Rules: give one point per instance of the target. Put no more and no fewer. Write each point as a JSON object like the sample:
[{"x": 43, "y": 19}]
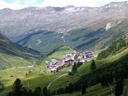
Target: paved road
[
  {"x": 54, "y": 80},
  {"x": 28, "y": 85}
]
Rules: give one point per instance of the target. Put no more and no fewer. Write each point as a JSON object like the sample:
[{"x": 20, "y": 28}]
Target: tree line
[
  {"x": 1, "y": 86},
  {"x": 19, "y": 90},
  {"x": 75, "y": 67},
  {"x": 113, "y": 48},
  {"x": 114, "y": 72}
]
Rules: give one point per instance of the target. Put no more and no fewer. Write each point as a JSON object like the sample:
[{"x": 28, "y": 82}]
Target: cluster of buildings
[
  {"x": 53, "y": 64},
  {"x": 86, "y": 55},
  {"x": 70, "y": 58}
]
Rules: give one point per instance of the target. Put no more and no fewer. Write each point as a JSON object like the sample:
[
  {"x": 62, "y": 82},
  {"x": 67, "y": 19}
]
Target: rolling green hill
[
  {"x": 12, "y": 54},
  {"x": 84, "y": 73},
  {"x": 57, "y": 53}
]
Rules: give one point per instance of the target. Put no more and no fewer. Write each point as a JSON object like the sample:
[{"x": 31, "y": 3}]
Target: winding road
[
  {"x": 28, "y": 85},
  {"x": 54, "y": 80}
]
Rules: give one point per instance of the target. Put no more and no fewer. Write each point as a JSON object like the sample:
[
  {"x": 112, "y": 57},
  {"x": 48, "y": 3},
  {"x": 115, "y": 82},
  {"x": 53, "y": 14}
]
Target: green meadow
[
  {"x": 39, "y": 77},
  {"x": 58, "y": 54}
]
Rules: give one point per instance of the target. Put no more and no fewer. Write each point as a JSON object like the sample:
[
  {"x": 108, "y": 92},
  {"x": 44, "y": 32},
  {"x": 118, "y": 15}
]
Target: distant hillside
[
  {"x": 113, "y": 49},
  {"x": 12, "y": 53},
  {"x": 43, "y": 41},
  {"x": 78, "y": 39},
  {"x": 81, "y": 28},
  {"x": 57, "y": 53}
]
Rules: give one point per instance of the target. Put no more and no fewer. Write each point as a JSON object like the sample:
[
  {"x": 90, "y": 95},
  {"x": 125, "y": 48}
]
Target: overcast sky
[{"x": 19, "y": 4}]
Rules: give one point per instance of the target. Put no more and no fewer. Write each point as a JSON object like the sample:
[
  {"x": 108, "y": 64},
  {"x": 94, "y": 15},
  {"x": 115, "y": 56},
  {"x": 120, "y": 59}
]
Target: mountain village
[{"x": 70, "y": 58}]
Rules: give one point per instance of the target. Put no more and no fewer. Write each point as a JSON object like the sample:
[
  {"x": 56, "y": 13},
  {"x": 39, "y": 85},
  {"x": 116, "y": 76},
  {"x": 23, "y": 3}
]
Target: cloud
[
  {"x": 30, "y": 1},
  {"x": 56, "y": 3},
  {"x": 61, "y": 3},
  {"x": 15, "y": 5},
  {"x": 78, "y": 3},
  {"x": 103, "y": 2}
]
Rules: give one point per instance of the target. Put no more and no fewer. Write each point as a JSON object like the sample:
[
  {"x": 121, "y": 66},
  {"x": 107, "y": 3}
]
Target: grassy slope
[
  {"x": 58, "y": 54},
  {"x": 11, "y": 60},
  {"x": 12, "y": 54},
  {"x": 37, "y": 77},
  {"x": 85, "y": 69},
  {"x": 115, "y": 48},
  {"x": 98, "y": 90},
  {"x": 42, "y": 80}
]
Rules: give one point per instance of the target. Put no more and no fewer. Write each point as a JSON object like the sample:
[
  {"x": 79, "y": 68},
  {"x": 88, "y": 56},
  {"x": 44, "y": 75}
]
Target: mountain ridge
[
  {"x": 64, "y": 23},
  {"x": 47, "y": 18}
]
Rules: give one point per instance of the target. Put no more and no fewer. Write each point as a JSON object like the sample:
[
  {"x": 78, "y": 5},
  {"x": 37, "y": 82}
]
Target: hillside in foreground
[
  {"x": 93, "y": 80},
  {"x": 115, "y": 64}
]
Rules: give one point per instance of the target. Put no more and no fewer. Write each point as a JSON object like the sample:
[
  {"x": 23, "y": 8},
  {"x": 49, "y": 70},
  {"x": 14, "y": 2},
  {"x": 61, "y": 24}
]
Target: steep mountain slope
[
  {"x": 115, "y": 48},
  {"x": 13, "y": 54},
  {"x": 79, "y": 39},
  {"x": 66, "y": 26},
  {"x": 27, "y": 20},
  {"x": 43, "y": 41}
]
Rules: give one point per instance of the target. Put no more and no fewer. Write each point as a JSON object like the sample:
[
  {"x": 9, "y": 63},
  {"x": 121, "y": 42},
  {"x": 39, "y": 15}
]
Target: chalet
[
  {"x": 70, "y": 61},
  {"x": 31, "y": 66},
  {"x": 58, "y": 64},
  {"x": 32, "y": 70},
  {"x": 53, "y": 70},
  {"x": 47, "y": 62},
  {"x": 54, "y": 60},
  {"x": 76, "y": 61},
  {"x": 82, "y": 61}
]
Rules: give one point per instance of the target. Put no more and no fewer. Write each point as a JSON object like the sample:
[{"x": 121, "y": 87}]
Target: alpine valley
[{"x": 64, "y": 51}]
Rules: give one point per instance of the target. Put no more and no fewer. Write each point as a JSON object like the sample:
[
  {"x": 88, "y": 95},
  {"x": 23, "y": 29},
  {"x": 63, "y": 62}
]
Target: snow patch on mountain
[{"x": 108, "y": 26}]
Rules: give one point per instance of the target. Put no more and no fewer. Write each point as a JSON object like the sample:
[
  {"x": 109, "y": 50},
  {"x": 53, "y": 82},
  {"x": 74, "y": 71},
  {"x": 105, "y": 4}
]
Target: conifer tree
[
  {"x": 38, "y": 92},
  {"x": 107, "y": 78},
  {"x": 30, "y": 93},
  {"x": 17, "y": 87},
  {"x": 24, "y": 91},
  {"x": 1, "y": 87},
  {"x": 83, "y": 89},
  {"x": 119, "y": 87},
  {"x": 93, "y": 65},
  {"x": 46, "y": 92},
  {"x": 74, "y": 68}
]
